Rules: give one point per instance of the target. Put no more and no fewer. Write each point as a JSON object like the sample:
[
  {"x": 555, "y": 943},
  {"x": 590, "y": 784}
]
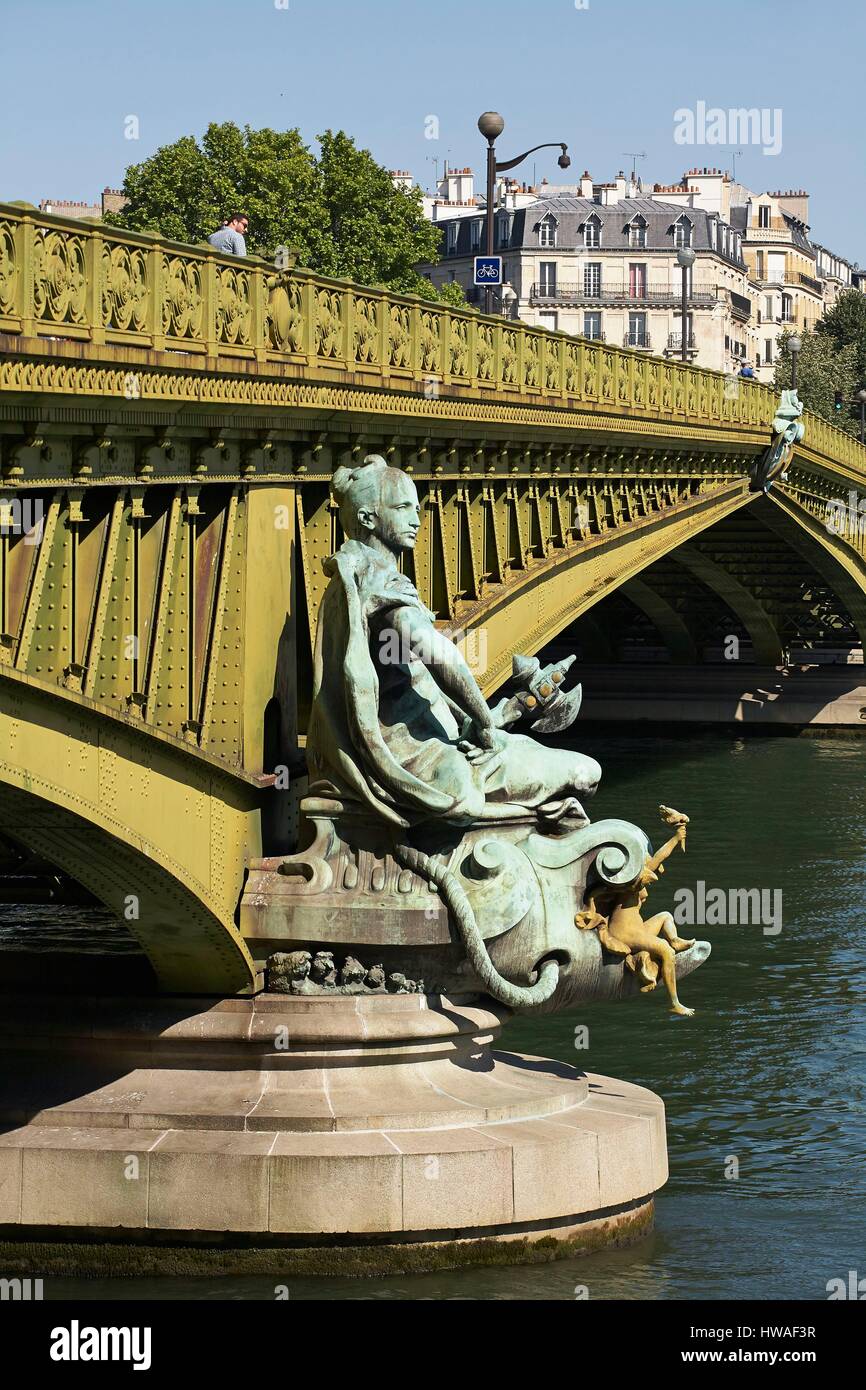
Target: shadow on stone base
[{"x": 348, "y": 1134}]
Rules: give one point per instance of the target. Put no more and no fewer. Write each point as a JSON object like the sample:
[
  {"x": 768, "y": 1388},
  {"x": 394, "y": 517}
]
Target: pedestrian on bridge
[{"x": 230, "y": 237}]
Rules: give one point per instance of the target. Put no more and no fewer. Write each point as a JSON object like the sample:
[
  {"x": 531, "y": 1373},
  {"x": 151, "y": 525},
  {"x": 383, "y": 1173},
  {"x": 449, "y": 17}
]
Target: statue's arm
[
  {"x": 445, "y": 661},
  {"x": 667, "y": 848}
]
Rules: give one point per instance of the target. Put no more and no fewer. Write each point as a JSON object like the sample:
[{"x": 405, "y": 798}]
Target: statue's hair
[{"x": 359, "y": 487}]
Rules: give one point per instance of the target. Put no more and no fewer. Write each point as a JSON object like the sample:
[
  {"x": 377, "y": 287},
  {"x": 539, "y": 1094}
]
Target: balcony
[
  {"x": 741, "y": 307},
  {"x": 638, "y": 340},
  {"x": 811, "y": 284},
  {"x": 675, "y": 343},
  {"x": 565, "y": 292}
]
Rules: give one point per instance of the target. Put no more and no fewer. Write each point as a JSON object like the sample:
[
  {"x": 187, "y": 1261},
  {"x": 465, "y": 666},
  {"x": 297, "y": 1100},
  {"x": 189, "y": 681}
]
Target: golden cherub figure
[{"x": 649, "y": 946}]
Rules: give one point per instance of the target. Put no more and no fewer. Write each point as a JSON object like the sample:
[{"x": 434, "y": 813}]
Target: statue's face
[{"x": 397, "y": 519}]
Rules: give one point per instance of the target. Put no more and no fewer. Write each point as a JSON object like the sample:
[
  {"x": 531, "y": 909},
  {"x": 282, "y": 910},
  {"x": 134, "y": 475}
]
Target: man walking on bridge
[{"x": 230, "y": 237}]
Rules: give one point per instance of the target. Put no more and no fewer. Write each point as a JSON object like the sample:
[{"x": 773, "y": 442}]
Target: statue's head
[{"x": 378, "y": 503}]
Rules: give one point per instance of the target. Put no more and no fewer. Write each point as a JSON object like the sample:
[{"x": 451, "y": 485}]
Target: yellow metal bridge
[{"x": 169, "y": 421}]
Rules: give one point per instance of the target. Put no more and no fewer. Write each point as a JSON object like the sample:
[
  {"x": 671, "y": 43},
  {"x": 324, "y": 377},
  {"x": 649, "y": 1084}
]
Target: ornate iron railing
[{"x": 63, "y": 279}]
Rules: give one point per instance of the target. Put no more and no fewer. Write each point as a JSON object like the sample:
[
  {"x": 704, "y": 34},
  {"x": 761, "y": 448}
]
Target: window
[
  {"x": 637, "y": 233},
  {"x": 760, "y": 265},
  {"x": 787, "y": 315},
  {"x": 768, "y": 350},
  {"x": 547, "y": 321},
  {"x": 592, "y": 324},
  {"x": 592, "y": 232},
  {"x": 683, "y": 232},
  {"x": 637, "y": 331},
  {"x": 547, "y": 283},
  {"x": 452, "y": 236},
  {"x": 769, "y": 307},
  {"x": 592, "y": 278},
  {"x": 637, "y": 281},
  {"x": 502, "y": 230},
  {"x": 547, "y": 231},
  {"x": 475, "y": 234},
  {"x": 764, "y": 215}
]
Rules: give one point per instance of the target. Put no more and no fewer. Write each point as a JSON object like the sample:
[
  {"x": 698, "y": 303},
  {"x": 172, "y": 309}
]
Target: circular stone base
[{"x": 379, "y": 1129}]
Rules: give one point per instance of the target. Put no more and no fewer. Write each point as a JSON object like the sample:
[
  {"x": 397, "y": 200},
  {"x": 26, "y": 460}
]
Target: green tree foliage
[
  {"x": 845, "y": 325},
  {"x": 822, "y": 370},
  {"x": 338, "y": 210}
]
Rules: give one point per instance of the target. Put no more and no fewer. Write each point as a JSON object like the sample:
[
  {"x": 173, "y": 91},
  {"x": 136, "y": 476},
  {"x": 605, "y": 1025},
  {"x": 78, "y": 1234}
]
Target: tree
[
  {"x": 339, "y": 210},
  {"x": 822, "y": 370},
  {"x": 845, "y": 325}
]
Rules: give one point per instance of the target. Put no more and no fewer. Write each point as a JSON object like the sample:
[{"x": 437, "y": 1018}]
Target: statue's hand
[{"x": 483, "y": 739}]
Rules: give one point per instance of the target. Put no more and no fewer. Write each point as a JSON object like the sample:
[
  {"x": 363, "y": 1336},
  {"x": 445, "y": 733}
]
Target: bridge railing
[{"x": 64, "y": 278}]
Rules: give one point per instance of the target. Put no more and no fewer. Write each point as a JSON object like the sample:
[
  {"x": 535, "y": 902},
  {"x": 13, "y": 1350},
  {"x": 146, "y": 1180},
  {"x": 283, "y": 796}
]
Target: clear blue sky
[{"x": 606, "y": 79}]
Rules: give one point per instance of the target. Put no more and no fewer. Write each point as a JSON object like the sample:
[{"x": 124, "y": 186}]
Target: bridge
[{"x": 169, "y": 421}]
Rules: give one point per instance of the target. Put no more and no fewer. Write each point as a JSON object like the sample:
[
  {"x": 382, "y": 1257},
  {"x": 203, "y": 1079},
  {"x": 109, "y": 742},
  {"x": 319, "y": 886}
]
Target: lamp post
[
  {"x": 794, "y": 345},
  {"x": 861, "y": 397},
  {"x": 685, "y": 259},
  {"x": 507, "y": 296},
  {"x": 491, "y": 125}
]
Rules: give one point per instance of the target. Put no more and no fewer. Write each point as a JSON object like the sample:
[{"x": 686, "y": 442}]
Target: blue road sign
[{"x": 488, "y": 270}]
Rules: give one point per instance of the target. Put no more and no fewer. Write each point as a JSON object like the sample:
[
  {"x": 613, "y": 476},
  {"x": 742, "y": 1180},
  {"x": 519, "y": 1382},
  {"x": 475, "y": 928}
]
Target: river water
[{"x": 764, "y": 1086}]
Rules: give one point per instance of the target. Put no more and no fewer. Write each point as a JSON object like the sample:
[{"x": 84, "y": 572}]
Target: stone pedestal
[{"x": 322, "y": 1121}]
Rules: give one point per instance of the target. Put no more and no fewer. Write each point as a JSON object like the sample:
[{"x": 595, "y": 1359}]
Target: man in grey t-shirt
[{"x": 230, "y": 237}]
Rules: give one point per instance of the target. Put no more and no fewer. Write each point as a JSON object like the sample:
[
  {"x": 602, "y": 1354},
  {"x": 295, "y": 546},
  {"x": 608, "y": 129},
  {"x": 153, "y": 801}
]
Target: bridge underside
[{"x": 756, "y": 620}]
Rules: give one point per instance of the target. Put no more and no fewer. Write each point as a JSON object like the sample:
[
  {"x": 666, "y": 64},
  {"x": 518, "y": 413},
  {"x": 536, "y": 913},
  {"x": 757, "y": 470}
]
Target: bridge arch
[
  {"x": 159, "y": 837},
  {"x": 665, "y": 619},
  {"x": 766, "y": 642}
]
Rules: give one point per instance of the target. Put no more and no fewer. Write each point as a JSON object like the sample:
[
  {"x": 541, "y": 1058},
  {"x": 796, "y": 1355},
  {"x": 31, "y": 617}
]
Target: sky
[{"x": 606, "y": 76}]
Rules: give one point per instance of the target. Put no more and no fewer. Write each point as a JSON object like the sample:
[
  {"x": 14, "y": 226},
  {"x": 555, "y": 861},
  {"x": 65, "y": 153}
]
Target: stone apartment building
[
  {"x": 112, "y": 200},
  {"x": 599, "y": 260}
]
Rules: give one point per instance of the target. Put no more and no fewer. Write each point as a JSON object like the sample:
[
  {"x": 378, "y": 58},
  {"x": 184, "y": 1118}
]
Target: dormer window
[
  {"x": 502, "y": 230},
  {"x": 452, "y": 236},
  {"x": 475, "y": 235},
  {"x": 547, "y": 231},
  {"x": 637, "y": 232},
  {"x": 682, "y": 232},
  {"x": 764, "y": 215},
  {"x": 592, "y": 231}
]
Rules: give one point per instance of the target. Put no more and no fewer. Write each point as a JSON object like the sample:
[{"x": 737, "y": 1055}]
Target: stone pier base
[{"x": 352, "y": 1122}]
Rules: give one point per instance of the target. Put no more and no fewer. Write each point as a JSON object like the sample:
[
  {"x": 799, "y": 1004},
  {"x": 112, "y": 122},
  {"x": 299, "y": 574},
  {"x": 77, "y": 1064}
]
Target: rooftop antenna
[
  {"x": 434, "y": 160},
  {"x": 738, "y": 154},
  {"x": 634, "y": 155}
]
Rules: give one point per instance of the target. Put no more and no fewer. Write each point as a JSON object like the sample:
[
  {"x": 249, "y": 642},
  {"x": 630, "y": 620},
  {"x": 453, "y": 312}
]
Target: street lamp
[
  {"x": 491, "y": 125},
  {"x": 861, "y": 397},
  {"x": 507, "y": 296},
  {"x": 685, "y": 259},
  {"x": 794, "y": 345}
]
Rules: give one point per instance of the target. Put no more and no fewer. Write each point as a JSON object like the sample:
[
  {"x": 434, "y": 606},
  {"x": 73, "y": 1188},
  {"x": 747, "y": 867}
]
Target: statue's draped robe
[{"x": 382, "y": 732}]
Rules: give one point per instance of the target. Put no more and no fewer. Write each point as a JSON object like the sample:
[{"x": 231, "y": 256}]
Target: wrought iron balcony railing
[
  {"x": 675, "y": 340},
  {"x": 637, "y": 340},
  {"x": 565, "y": 292}
]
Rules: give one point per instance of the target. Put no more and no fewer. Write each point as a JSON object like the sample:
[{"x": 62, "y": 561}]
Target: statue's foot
[
  {"x": 679, "y": 1008},
  {"x": 680, "y": 944}
]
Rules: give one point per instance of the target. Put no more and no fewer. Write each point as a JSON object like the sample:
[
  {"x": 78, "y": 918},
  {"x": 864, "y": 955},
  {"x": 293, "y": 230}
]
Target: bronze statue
[
  {"x": 399, "y": 722},
  {"x": 651, "y": 945},
  {"x": 435, "y": 842}
]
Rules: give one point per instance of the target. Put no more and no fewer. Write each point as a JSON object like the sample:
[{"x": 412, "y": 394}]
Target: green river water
[{"x": 769, "y": 1071}]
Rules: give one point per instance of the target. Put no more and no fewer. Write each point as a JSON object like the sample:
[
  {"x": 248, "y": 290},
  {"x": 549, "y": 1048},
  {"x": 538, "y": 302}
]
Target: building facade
[
  {"x": 112, "y": 200},
  {"x": 599, "y": 260},
  {"x": 607, "y": 268}
]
